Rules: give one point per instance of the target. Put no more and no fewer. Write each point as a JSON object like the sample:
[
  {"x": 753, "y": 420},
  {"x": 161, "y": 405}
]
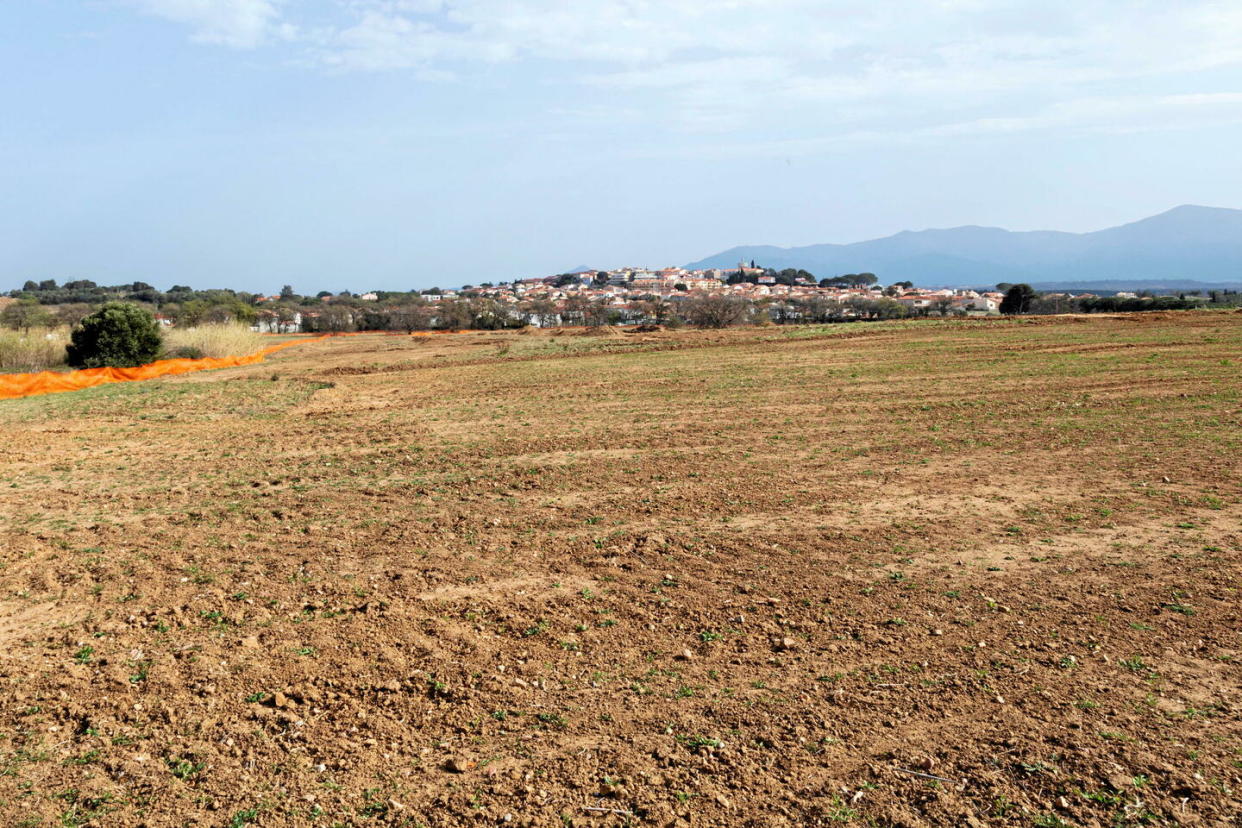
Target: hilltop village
[
  {"x": 670, "y": 296},
  {"x": 621, "y": 288},
  {"x": 639, "y": 295}
]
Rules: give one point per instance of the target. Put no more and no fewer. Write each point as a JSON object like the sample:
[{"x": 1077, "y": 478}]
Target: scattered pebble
[{"x": 460, "y": 764}]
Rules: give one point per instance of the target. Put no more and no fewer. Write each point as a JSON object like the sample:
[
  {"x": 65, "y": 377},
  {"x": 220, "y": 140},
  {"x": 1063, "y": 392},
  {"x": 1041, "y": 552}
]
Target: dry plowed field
[{"x": 935, "y": 573}]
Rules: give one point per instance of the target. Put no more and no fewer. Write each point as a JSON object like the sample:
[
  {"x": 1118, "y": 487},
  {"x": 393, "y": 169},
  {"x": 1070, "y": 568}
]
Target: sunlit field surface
[{"x": 978, "y": 572}]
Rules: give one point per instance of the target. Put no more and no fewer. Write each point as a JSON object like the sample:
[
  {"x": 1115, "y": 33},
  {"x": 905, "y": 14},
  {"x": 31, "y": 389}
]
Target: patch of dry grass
[
  {"x": 39, "y": 349},
  {"x": 212, "y": 341}
]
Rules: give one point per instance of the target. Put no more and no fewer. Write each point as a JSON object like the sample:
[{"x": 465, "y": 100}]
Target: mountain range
[{"x": 1186, "y": 248}]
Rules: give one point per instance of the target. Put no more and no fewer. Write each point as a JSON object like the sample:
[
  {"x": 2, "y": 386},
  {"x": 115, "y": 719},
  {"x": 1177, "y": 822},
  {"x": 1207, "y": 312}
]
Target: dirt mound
[
  {"x": 644, "y": 329},
  {"x": 601, "y": 330},
  {"x": 1152, "y": 317}
]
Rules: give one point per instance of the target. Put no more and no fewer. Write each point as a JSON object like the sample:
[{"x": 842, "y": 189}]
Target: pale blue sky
[{"x": 399, "y": 144}]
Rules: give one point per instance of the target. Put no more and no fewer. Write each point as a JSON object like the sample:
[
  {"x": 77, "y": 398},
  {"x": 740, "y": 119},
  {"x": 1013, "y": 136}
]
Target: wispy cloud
[
  {"x": 1082, "y": 116},
  {"x": 1118, "y": 115},
  {"x": 238, "y": 24},
  {"x": 846, "y": 66}
]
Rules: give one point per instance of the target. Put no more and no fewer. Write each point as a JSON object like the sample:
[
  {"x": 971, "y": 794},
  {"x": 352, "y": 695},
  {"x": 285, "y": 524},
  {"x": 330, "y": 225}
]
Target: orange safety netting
[
  {"x": 53, "y": 382},
  {"x": 13, "y": 386}
]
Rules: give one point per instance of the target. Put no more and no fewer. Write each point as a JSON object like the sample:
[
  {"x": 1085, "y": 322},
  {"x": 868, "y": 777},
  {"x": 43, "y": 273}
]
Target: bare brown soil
[{"x": 918, "y": 574}]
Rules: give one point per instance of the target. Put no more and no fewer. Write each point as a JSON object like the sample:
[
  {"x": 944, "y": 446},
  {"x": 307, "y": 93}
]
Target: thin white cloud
[
  {"x": 658, "y": 42},
  {"x": 850, "y": 67},
  {"x": 1122, "y": 115},
  {"x": 880, "y": 46},
  {"x": 238, "y": 24},
  {"x": 1125, "y": 115}
]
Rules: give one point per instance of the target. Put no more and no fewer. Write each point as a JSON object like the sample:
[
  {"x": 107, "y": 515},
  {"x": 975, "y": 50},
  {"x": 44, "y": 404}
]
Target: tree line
[
  {"x": 1023, "y": 299},
  {"x": 46, "y": 304}
]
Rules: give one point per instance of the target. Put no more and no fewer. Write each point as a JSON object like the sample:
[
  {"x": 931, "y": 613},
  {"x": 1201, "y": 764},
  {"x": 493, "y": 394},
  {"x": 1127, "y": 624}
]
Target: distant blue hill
[
  {"x": 1186, "y": 248},
  {"x": 1154, "y": 285}
]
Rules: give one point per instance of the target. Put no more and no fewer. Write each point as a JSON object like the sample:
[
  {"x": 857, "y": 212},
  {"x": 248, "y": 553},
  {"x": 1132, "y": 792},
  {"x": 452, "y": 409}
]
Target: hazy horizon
[{"x": 397, "y": 144}]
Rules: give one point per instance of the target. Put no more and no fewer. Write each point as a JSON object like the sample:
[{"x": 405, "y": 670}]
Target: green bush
[
  {"x": 118, "y": 335},
  {"x": 184, "y": 352}
]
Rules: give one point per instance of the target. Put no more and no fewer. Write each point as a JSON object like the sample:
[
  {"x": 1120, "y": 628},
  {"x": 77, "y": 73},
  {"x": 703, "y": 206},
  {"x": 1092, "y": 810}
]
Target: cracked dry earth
[{"x": 912, "y": 574}]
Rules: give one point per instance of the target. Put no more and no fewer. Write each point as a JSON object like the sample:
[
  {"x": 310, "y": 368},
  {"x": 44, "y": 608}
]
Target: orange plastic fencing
[{"x": 13, "y": 386}]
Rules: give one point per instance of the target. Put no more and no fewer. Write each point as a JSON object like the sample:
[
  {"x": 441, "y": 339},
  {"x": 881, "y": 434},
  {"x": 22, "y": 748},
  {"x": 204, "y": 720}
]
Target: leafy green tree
[
  {"x": 25, "y": 315},
  {"x": 192, "y": 312},
  {"x": 850, "y": 280},
  {"x": 118, "y": 335},
  {"x": 1018, "y": 299}
]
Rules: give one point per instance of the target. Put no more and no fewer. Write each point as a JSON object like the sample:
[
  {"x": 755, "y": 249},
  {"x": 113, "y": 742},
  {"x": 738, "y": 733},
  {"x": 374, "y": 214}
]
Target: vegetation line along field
[
  {"x": 14, "y": 386},
  {"x": 933, "y": 572},
  {"x": 42, "y": 315}
]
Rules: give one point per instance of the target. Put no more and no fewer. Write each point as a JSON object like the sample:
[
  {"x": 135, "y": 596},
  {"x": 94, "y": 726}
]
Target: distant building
[
  {"x": 267, "y": 321},
  {"x": 749, "y": 270}
]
